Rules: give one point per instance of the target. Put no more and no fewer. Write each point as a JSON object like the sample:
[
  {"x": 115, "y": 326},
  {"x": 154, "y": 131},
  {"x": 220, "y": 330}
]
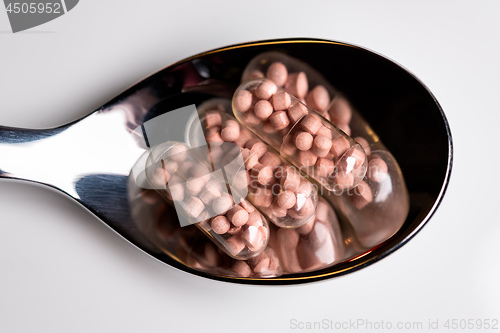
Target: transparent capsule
[
  {"x": 302, "y": 136},
  {"x": 316, "y": 245},
  {"x": 204, "y": 256},
  {"x": 155, "y": 218},
  {"x": 203, "y": 197},
  {"x": 378, "y": 206},
  {"x": 298, "y": 78},
  {"x": 274, "y": 186}
]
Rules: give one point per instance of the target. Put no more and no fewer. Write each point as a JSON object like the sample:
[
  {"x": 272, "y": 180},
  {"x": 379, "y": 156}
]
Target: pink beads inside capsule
[
  {"x": 302, "y": 136},
  {"x": 274, "y": 186},
  {"x": 203, "y": 197}
]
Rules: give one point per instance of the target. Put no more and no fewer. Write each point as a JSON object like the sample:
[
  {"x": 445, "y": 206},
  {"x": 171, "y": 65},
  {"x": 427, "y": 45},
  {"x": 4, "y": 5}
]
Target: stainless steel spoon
[{"x": 90, "y": 159}]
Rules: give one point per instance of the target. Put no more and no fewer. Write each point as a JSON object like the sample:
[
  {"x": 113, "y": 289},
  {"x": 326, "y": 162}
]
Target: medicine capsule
[
  {"x": 377, "y": 207},
  {"x": 305, "y": 138},
  {"x": 273, "y": 184},
  {"x": 315, "y": 245},
  {"x": 201, "y": 197}
]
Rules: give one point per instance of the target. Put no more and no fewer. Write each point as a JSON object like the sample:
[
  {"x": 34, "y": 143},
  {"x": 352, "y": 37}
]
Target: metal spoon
[{"x": 90, "y": 159}]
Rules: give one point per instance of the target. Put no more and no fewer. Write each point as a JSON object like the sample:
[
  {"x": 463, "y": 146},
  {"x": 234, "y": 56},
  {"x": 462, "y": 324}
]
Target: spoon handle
[
  {"x": 98, "y": 144},
  {"x": 16, "y": 145}
]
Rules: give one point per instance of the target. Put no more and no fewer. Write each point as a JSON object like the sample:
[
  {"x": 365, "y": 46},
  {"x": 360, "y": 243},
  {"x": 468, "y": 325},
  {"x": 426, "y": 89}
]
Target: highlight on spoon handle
[
  {"x": 16, "y": 142},
  {"x": 98, "y": 144}
]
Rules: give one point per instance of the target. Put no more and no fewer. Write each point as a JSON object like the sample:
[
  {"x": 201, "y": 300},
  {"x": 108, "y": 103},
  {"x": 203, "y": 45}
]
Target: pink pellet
[
  {"x": 250, "y": 158},
  {"x": 362, "y": 195},
  {"x": 340, "y": 146},
  {"x": 366, "y": 146},
  {"x": 377, "y": 170},
  {"x": 247, "y": 206},
  {"x": 177, "y": 153},
  {"x": 252, "y": 237},
  {"x": 193, "y": 206},
  {"x": 243, "y": 138},
  {"x": 303, "y": 140},
  {"x": 318, "y": 98},
  {"x": 238, "y": 216},
  {"x": 234, "y": 245},
  {"x": 297, "y": 84},
  {"x": 311, "y": 123},
  {"x": 257, "y": 146},
  {"x": 263, "y": 109},
  {"x": 252, "y": 75},
  {"x": 194, "y": 185},
  {"x": 254, "y": 219},
  {"x": 183, "y": 170},
  {"x": 213, "y": 135},
  {"x": 306, "y": 228},
  {"x": 230, "y": 130},
  {"x": 355, "y": 157},
  {"x": 262, "y": 266},
  {"x": 211, "y": 255},
  {"x": 264, "y": 174},
  {"x": 285, "y": 131},
  {"x": 243, "y": 100},
  {"x": 325, "y": 115},
  {"x": 290, "y": 181},
  {"x": 345, "y": 128},
  {"x": 222, "y": 204},
  {"x": 251, "y": 119},
  {"x": 270, "y": 159},
  {"x": 170, "y": 166},
  {"x": 321, "y": 145},
  {"x": 281, "y": 101},
  {"x": 268, "y": 128},
  {"x": 199, "y": 170},
  {"x": 324, "y": 167},
  {"x": 306, "y": 188},
  {"x": 297, "y": 111},
  {"x": 289, "y": 238},
  {"x": 160, "y": 178},
  {"x": 322, "y": 211},
  {"x": 288, "y": 148},
  {"x": 220, "y": 224},
  {"x": 240, "y": 180},
  {"x": 325, "y": 131},
  {"x": 241, "y": 269},
  {"x": 265, "y": 90},
  {"x": 213, "y": 119},
  {"x": 263, "y": 197},
  {"x": 307, "y": 158},
  {"x": 286, "y": 199},
  {"x": 207, "y": 197},
  {"x": 278, "y": 73},
  {"x": 343, "y": 180},
  {"x": 319, "y": 235},
  {"x": 234, "y": 230},
  {"x": 150, "y": 197},
  {"x": 307, "y": 257},
  {"x": 278, "y": 211},
  {"x": 214, "y": 187},
  {"x": 307, "y": 208},
  {"x": 176, "y": 190},
  {"x": 279, "y": 120},
  {"x": 340, "y": 111}
]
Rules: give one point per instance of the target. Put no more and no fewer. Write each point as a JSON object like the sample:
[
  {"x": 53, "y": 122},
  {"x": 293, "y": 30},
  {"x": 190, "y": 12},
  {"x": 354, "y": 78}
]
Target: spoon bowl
[{"x": 91, "y": 159}]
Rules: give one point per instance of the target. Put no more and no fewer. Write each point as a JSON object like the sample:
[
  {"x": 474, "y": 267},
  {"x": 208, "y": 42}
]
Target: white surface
[{"x": 61, "y": 270}]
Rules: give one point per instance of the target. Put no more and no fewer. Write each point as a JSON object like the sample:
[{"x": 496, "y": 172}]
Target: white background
[{"x": 61, "y": 270}]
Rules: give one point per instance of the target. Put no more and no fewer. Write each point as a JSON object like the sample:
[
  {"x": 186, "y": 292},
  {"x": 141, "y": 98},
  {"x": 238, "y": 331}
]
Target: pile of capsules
[{"x": 292, "y": 136}]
